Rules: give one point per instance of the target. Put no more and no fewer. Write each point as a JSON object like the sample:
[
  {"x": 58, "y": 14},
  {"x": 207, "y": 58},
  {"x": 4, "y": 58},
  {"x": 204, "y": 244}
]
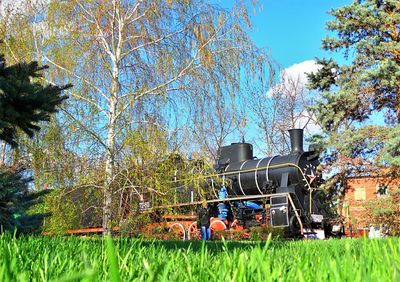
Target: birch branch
[
  {"x": 173, "y": 79},
  {"x": 151, "y": 42},
  {"x": 75, "y": 75},
  {"x": 103, "y": 40},
  {"x": 90, "y": 101},
  {"x": 135, "y": 8},
  {"x": 94, "y": 135}
]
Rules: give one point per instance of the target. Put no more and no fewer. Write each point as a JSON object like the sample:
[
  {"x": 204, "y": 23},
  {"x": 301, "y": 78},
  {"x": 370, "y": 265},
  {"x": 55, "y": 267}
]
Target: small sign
[
  {"x": 144, "y": 205},
  {"x": 336, "y": 228}
]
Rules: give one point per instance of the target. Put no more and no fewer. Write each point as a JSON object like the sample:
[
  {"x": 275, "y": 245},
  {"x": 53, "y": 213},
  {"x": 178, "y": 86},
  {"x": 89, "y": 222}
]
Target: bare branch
[
  {"x": 103, "y": 40},
  {"x": 75, "y": 75},
  {"x": 130, "y": 14},
  {"x": 90, "y": 101},
  {"x": 151, "y": 42},
  {"x": 90, "y": 132}
]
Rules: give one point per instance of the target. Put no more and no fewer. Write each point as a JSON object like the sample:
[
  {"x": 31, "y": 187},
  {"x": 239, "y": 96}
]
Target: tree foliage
[
  {"x": 386, "y": 211},
  {"x": 147, "y": 173},
  {"x": 278, "y": 105},
  {"x": 359, "y": 109},
  {"x": 25, "y": 101},
  {"x": 72, "y": 208},
  {"x": 16, "y": 200},
  {"x": 369, "y": 30}
]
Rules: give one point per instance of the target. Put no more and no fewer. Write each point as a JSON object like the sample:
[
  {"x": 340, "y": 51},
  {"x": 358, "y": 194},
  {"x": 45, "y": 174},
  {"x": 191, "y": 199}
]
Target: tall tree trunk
[{"x": 109, "y": 168}]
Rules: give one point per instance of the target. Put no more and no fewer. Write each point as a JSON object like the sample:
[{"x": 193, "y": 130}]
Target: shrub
[
  {"x": 262, "y": 232},
  {"x": 134, "y": 224},
  {"x": 64, "y": 213},
  {"x": 231, "y": 235},
  {"x": 72, "y": 208},
  {"x": 386, "y": 211}
]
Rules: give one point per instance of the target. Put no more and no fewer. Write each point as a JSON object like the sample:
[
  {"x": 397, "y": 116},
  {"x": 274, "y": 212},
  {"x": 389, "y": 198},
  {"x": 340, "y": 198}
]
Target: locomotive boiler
[{"x": 289, "y": 179}]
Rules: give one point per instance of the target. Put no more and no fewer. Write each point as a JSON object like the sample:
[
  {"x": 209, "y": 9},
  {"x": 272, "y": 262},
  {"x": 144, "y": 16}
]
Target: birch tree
[
  {"x": 214, "y": 119},
  {"x": 123, "y": 52}
]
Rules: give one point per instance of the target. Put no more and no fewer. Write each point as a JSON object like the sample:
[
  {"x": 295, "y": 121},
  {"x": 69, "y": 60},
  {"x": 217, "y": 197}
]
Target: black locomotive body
[{"x": 294, "y": 174}]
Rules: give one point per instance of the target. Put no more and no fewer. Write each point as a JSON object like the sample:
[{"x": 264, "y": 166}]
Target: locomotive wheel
[
  {"x": 177, "y": 231},
  {"x": 194, "y": 232},
  {"x": 217, "y": 225}
]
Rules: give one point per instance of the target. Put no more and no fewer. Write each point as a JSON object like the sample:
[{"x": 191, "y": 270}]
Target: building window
[
  {"x": 359, "y": 194},
  {"x": 381, "y": 190}
]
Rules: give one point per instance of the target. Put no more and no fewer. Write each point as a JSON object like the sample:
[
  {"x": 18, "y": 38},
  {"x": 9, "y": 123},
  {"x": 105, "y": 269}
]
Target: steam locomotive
[
  {"x": 286, "y": 183},
  {"x": 276, "y": 191}
]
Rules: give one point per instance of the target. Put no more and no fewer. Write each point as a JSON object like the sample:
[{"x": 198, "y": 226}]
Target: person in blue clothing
[{"x": 204, "y": 221}]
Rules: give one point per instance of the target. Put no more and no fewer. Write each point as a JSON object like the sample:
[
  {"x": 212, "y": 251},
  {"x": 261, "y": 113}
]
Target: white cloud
[
  {"x": 299, "y": 71},
  {"x": 295, "y": 73},
  {"x": 307, "y": 121},
  {"x": 292, "y": 82}
]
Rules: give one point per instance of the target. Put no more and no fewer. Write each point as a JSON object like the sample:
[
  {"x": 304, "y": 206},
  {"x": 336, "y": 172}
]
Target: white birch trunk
[
  {"x": 109, "y": 161},
  {"x": 112, "y": 120}
]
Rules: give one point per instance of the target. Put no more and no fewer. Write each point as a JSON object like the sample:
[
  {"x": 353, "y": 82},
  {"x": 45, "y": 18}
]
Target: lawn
[{"x": 95, "y": 259}]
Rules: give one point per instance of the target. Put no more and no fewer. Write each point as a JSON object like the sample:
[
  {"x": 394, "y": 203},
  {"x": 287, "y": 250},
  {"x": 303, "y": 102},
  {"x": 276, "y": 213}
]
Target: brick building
[{"x": 362, "y": 189}]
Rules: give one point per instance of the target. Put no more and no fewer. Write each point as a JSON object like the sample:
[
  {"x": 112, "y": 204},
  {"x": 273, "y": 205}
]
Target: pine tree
[
  {"x": 24, "y": 100},
  {"x": 16, "y": 200},
  {"x": 356, "y": 95}
]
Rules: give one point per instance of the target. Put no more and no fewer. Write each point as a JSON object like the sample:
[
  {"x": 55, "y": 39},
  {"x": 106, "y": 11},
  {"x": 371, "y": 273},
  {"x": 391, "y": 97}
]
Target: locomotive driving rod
[{"x": 254, "y": 197}]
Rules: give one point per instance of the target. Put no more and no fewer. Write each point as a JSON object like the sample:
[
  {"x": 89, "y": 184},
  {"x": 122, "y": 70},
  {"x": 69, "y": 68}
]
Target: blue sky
[{"x": 293, "y": 29}]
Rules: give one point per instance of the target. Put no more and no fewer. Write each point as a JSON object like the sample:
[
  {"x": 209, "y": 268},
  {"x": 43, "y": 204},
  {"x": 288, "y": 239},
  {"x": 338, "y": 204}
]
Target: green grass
[{"x": 89, "y": 259}]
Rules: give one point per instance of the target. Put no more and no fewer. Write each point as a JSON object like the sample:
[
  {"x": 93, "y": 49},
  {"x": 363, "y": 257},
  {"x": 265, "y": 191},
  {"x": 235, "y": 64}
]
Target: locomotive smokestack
[{"x": 296, "y": 140}]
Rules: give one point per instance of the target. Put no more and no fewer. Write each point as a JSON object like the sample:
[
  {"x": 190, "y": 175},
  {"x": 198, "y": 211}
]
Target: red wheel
[
  {"x": 177, "y": 231},
  {"x": 194, "y": 232},
  {"x": 217, "y": 225}
]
